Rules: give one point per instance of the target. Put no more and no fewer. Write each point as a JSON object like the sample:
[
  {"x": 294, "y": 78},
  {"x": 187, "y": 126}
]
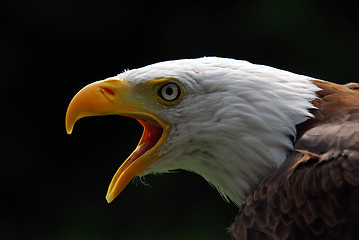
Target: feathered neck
[{"x": 236, "y": 124}]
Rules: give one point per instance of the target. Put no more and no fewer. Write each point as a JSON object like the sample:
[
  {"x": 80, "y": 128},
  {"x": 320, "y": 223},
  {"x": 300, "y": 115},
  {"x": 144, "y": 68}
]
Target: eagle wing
[{"x": 315, "y": 193}]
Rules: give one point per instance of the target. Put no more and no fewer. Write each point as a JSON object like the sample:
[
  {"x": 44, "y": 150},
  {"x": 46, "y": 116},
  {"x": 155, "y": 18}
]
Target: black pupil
[{"x": 169, "y": 91}]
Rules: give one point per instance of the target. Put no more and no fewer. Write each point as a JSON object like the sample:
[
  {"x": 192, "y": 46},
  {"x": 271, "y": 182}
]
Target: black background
[{"x": 53, "y": 185}]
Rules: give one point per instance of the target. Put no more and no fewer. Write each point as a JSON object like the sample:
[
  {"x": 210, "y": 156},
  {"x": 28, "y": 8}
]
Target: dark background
[{"x": 53, "y": 185}]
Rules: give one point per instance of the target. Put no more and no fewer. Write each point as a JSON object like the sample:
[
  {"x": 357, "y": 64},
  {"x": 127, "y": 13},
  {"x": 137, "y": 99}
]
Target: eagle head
[{"x": 230, "y": 121}]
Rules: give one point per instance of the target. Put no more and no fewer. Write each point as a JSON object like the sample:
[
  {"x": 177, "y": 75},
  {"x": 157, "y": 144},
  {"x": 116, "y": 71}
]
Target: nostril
[{"x": 109, "y": 91}]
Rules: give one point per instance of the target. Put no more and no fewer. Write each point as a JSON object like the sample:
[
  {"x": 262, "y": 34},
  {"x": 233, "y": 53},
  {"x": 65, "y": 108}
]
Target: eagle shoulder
[{"x": 314, "y": 194}]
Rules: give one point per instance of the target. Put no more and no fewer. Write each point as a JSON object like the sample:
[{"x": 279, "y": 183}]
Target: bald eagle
[{"x": 283, "y": 147}]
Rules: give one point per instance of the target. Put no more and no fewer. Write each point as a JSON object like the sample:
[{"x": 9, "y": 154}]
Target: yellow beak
[
  {"x": 111, "y": 97},
  {"x": 95, "y": 99}
]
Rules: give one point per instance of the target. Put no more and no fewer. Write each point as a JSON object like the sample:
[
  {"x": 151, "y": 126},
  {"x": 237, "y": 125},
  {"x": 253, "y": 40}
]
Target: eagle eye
[{"x": 170, "y": 92}]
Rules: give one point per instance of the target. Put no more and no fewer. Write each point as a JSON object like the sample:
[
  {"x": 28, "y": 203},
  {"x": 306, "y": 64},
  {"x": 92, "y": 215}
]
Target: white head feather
[{"x": 234, "y": 123}]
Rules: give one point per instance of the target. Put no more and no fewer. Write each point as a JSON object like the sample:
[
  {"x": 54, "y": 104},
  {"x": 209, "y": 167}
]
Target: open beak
[{"x": 110, "y": 97}]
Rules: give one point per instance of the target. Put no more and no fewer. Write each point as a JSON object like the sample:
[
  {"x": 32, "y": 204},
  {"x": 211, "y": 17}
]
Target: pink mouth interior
[{"x": 151, "y": 135}]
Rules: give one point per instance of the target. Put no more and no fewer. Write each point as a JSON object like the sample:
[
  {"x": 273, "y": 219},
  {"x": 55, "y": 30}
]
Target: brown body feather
[{"x": 315, "y": 193}]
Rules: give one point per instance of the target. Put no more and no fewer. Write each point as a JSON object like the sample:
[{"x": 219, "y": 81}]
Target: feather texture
[
  {"x": 235, "y": 122},
  {"x": 315, "y": 193}
]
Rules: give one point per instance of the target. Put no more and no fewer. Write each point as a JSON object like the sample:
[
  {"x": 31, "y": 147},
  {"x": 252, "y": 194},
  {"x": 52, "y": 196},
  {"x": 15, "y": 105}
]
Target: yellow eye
[{"x": 169, "y": 92}]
